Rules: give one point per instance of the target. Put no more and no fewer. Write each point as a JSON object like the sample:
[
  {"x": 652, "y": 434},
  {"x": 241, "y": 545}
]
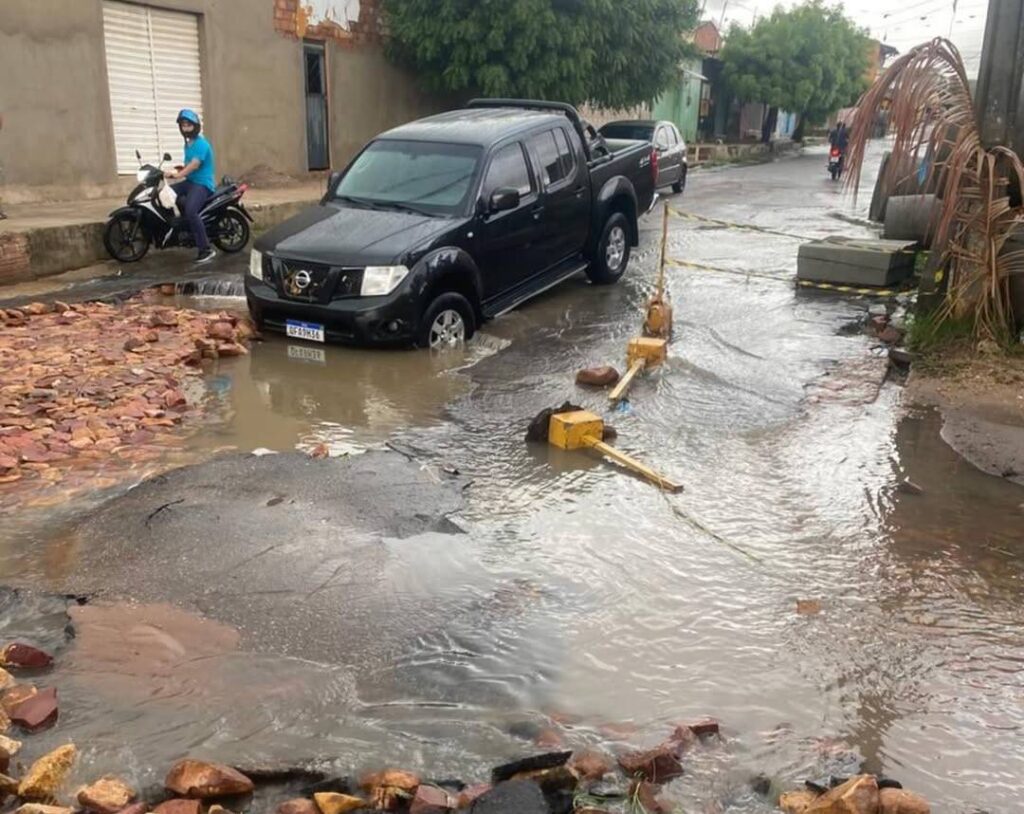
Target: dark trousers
[{"x": 192, "y": 198}]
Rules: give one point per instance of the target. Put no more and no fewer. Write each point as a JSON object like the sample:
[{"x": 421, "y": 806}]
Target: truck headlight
[
  {"x": 381, "y": 280},
  {"x": 256, "y": 264}
]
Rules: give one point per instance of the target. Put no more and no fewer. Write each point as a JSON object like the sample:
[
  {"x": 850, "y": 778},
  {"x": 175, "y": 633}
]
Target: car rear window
[
  {"x": 553, "y": 163},
  {"x": 634, "y": 132},
  {"x": 431, "y": 176},
  {"x": 508, "y": 170}
]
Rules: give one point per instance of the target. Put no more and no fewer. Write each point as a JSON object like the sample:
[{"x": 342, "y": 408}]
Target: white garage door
[{"x": 153, "y": 69}]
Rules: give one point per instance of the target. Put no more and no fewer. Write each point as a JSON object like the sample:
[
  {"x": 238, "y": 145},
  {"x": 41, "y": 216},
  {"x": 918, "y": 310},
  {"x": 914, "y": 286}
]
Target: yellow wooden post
[
  {"x": 583, "y": 430},
  {"x": 659, "y": 313}
]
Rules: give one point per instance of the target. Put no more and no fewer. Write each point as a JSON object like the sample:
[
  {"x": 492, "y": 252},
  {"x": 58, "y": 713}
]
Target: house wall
[
  {"x": 57, "y": 138},
  {"x": 681, "y": 103}
]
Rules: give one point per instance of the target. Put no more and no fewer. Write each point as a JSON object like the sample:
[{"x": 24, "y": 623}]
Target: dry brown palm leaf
[{"x": 932, "y": 118}]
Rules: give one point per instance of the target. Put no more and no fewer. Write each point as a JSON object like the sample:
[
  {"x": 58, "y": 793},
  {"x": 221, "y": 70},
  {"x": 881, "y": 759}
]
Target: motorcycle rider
[
  {"x": 839, "y": 137},
  {"x": 195, "y": 181}
]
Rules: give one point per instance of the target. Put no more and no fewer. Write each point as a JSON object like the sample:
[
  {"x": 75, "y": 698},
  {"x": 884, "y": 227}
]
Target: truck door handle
[
  {"x": 537, "y": 212},
  {"x": 579, "y": 191}
]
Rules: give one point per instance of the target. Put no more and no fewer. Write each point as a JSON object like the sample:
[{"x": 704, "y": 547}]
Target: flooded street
[{"x": 579, "y": 598}]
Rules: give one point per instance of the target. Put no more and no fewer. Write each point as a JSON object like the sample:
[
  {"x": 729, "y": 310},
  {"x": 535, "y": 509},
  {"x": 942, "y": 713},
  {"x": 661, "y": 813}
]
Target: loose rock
[
  {"x": 899, "y": 801},
  {"x": 469, "y": 794},
  {"x": 604, "y": 376},
  {"x": 657, "y": 765},
  {"x": 298, "y": 806},
  {"x": 797, "y": 802},
  {"x": 178, "y": 807},
  {"x": 548, "y": 739},
  {"x": 223, "y": 331},
  {"x": 647, "y": 795},
  {"x": 705, "y": 726},
  {"x": 590, "y": 765},
  {"x": 388, "y": 788},
  {"x": 195, "y": 778},
  {"x": 47, "y": 774},
  {"x": 38, "y": 808},
  {"x": 858, "y": 795},
  {"x": 8, "y": 786},
  {"x": 9, "y": 746},
  {"x": 108, "y": 795},
  {"x": 6, "y": 679},
  {"x": 135, "y": 808},
  {"x": 431, "y": 800},
  {"x": 20, "y": 654},
  {"x": 37, "y": 712},
  {"x": 808, "y": 607},
  {"x": 330, "y": 802}
]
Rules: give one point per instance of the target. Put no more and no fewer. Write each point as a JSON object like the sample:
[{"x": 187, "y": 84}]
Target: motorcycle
[
  {"x": 835, "y": 163},
  {"x": 151, "y": 218}
]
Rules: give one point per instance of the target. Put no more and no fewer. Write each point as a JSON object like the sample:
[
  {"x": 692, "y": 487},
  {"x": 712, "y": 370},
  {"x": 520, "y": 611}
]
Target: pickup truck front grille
[{"x": 315, "y": 282}]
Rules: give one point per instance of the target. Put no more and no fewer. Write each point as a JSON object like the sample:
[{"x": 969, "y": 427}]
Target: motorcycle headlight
[
  {"x": 256, "y": 264},
  {"x": 141, "y": 176},
  {"x": 381, "y": 280}
]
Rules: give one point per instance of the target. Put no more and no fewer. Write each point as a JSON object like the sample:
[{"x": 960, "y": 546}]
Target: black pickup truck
[{"x": 443, "y": 223}]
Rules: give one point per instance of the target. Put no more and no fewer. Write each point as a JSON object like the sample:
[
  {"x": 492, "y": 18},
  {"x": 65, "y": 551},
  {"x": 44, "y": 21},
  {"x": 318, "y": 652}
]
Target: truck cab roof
[{"x": 478, "y": 126}]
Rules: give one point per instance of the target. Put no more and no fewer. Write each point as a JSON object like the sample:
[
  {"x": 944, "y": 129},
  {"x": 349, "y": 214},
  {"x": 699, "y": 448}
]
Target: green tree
[
  {"x": 609, "y": 52},
  {"x": 810, "y": 59}
]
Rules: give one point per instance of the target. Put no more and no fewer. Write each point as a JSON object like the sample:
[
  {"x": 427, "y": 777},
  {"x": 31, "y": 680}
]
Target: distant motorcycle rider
[
  {"x": 195, "y": 181},
  {"x": 839, "y": 137}
]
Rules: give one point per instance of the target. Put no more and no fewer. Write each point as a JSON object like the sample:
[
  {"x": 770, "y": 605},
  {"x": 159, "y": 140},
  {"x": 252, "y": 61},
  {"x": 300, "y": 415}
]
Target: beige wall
[
  {"x": 57, "y": 138},
  {"x": 367, "y": 96},
  {"x": 600, "y": 116},
  {"x": 56, "y": 122}
]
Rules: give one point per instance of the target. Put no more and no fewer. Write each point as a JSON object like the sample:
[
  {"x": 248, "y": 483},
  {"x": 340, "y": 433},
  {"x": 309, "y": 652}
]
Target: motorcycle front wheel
[
  {"x": 232, "y": 232},
  {"x": 125, "y": 239}
]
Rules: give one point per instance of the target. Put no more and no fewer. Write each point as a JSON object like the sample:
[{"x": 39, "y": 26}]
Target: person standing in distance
[{"x": 194, "y": 181}]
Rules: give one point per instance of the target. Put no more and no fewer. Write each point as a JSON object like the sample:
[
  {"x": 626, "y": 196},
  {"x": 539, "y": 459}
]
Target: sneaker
[{"x": 205, "y": 257}]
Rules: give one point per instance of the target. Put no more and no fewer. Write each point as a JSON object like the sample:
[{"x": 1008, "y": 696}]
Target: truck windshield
[{"x": 423, "y": 176}]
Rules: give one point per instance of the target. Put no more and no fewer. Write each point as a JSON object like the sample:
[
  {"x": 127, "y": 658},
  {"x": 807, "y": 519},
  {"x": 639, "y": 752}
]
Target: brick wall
[
  {"x": 292, "y": 19},
  {"x": 14, "y": 258},
  {"x": 286, "y": 17}
]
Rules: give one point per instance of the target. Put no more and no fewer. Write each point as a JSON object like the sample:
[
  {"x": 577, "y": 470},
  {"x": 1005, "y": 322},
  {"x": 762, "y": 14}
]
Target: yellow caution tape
[{"x": 843, "y": 289}]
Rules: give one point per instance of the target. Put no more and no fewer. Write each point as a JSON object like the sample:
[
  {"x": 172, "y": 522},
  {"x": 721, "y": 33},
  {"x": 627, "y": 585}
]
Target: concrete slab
[{"x": 851, "y": 261}]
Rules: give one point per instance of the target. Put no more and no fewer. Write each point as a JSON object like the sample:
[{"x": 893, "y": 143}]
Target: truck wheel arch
[
  {"x": 617, "y": 195},
  {"x": 451, "y": 269}
]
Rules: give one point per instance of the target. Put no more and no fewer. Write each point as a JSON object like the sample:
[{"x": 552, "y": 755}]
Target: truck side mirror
[{"x": 504, "y": 199}]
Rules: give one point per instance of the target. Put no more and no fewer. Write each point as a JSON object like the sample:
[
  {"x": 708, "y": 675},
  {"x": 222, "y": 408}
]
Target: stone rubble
[{"x": 89, "y": 385}]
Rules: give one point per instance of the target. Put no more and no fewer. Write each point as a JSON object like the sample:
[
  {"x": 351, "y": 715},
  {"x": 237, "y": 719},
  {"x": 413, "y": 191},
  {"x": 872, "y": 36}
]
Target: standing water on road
[{"x": 584, "y": 601}]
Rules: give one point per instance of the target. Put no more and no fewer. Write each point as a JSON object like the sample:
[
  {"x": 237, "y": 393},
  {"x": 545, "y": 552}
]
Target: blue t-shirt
[{"x": 200, "y": 149}]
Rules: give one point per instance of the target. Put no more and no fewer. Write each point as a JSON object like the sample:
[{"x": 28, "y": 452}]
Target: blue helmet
[{"x": 192, "y": 117}]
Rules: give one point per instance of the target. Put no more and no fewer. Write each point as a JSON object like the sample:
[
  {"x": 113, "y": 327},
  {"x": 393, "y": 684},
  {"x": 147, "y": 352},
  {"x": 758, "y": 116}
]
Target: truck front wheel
[
  {"x": 447, "y": 323},
  {"x": 612, "y": 256}
]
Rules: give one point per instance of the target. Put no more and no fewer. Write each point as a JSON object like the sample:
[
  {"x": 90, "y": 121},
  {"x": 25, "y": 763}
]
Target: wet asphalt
[{"x": 563, "y": 588}]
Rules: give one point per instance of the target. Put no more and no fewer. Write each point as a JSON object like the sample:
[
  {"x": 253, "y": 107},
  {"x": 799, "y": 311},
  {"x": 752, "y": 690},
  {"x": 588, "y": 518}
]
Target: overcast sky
[{"x": 902, "y": 25}]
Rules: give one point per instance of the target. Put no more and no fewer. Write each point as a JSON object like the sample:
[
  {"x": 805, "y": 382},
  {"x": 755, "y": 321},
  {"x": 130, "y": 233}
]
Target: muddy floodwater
[{"x": 579, "y": 598}]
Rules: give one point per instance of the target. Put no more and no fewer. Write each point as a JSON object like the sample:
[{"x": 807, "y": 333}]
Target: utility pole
[
  {"x": 1000, "y": 94},
  {"x": 721, "y": 20}
]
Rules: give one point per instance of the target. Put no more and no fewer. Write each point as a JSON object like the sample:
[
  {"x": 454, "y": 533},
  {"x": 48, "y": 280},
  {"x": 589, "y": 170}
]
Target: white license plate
[
  {"x": 304, "y": 353},
  {"x": 304, "y": 330}
]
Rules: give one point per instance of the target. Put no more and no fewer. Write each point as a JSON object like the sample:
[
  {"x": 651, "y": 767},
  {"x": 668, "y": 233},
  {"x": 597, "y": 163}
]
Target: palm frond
[{"x": 932, "y": 117}]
